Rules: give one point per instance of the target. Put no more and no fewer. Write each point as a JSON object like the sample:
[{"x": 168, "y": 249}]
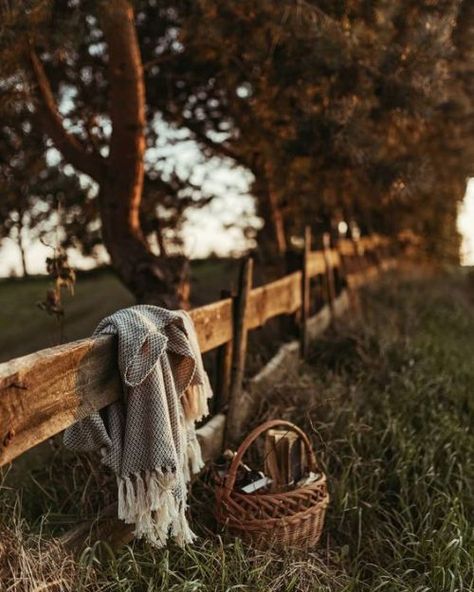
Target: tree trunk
[
  {"x": 274, "y": 209},
  {"x": 272, "y": 236},
  {"x": 153, "y": 279},
  {"x": 156, "y": 280}
]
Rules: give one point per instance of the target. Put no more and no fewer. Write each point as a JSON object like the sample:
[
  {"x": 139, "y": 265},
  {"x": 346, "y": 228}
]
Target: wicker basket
[{"x": 291, "y": 519}]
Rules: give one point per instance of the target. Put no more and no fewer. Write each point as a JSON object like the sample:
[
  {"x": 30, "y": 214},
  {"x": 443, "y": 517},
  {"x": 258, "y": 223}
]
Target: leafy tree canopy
[{"x": 350, "y": 109}]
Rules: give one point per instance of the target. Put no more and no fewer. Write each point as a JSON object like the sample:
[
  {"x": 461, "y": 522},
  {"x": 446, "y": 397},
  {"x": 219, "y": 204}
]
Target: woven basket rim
[
  {"x": 257, "y": 523},
  {"x": 281, "y": 495}
]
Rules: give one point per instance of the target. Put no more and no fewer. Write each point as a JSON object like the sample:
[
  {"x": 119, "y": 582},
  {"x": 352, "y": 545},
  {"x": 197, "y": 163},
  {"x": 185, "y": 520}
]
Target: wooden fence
[{"x": 43, "y": 393}]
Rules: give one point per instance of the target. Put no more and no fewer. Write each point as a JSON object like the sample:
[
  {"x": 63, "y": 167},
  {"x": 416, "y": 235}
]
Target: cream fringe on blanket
[{"x": 148, "y": 438}]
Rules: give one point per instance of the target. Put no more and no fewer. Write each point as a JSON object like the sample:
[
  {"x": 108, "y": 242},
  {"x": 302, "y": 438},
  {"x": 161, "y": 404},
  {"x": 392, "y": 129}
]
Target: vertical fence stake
[
  {"x": 239, "y": 350},
  {"x": 379, "y": 253},
  {"x": 330, "y": 282},
  {"x": 224, "y": 367},
  {"x": 305, "y": 294},
  {"x": 343, "y": 267},
  {"x": 359, "y": 265}
]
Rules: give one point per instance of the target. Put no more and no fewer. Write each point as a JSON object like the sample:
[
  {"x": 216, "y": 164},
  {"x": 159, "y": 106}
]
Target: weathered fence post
[
  {"x": 330, "y": 283},
  {"x": 224, "y": 367},
  {"x": 305, "y": 293},
  {"x": 344, "y": 269},
  {"x": 359, "y": 263},
  {"x": 236, "y": 411},
  {"x": 376, "y": 252}
]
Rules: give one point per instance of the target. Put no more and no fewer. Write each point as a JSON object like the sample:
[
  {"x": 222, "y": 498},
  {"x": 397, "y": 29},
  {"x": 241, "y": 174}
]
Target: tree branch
[
  {"x": 217, "y": 147},
  {"x": 70, "y": 147}
]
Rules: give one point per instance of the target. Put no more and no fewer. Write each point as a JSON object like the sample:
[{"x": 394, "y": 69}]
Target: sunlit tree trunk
[
  {"x": 273, "y": 207},
  {"x": 271, "y": 237},
  {"x": 157, "y": 280}
]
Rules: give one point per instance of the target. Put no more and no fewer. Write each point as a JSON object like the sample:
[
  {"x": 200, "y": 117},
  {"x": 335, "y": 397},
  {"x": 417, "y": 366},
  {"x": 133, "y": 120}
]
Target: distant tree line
[{"x": 342, "y": 110}]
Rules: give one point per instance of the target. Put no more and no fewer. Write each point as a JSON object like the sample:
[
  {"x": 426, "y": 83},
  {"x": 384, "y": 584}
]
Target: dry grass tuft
[{"x": 31, "y": 563}]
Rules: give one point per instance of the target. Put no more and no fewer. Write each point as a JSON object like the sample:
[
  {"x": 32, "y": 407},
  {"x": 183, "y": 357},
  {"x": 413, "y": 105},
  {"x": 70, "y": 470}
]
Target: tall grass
[{"x": 388, "y": 401}]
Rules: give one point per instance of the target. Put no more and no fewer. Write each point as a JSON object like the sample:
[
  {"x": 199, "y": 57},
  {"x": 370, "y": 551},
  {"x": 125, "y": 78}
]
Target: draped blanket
[{"x": 148, "y": 437}]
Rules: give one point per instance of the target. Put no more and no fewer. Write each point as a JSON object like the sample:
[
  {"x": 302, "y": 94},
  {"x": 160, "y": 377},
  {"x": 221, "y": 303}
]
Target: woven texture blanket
[{"x": 148, "y": 438}]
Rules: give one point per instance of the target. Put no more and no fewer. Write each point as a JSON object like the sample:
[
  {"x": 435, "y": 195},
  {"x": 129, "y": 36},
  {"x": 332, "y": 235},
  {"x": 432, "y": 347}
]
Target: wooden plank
[
  {"x": 282, "y": 296},
  {"x": 364, "y": 243},
  {"x": 239, "y": 350},
  {"x": 367, "y": 243},
  {"x": 316, "y": 263},
  {"x": 43, "y": 393},
  {"x": 213, "y": 324},
  {"x": 334, "y": 258},
  {"x": 346, "y": 247}
]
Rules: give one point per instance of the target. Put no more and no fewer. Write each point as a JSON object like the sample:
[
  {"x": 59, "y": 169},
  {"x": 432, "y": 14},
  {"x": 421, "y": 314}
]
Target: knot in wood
[{"x": 9, "y": 437}]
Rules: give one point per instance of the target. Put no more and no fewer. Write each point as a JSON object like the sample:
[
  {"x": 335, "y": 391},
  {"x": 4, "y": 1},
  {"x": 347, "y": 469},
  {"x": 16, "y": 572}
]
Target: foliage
[
  {"x": 341, "y": 110},
  {"x": 344, "y": 109}
]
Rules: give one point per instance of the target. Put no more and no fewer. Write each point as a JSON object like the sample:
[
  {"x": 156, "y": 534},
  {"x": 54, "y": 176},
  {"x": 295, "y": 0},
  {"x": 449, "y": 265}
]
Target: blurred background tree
[{"x": 350, "y": 110}]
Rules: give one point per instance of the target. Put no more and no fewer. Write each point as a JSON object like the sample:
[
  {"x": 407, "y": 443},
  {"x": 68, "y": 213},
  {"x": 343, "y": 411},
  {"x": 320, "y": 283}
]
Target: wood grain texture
[
  {"x": 43, "y": 393},
  {"x": 276, "y": 298},
  {"x": 213, "y": 324}
]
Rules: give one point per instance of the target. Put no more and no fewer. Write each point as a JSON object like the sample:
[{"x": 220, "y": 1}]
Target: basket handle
[{"x": 254, "y": 434}]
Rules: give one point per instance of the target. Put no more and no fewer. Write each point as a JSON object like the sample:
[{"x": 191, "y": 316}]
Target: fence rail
[{"x": 43, "y": 393}]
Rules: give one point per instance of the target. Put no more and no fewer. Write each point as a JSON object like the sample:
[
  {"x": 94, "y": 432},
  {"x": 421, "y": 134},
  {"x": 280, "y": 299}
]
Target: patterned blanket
[{"x": 148, "y": 437}]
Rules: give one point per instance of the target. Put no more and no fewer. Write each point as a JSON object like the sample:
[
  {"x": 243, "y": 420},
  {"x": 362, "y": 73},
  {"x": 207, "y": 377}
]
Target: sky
[
  {"x": 466, "y": 225},
  {"x": 215, "y": 228}
]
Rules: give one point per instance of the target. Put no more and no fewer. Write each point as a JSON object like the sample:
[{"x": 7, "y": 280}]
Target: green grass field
[
  {"x": 388, "y": 401},
  {"x": 25, "y": 328}
]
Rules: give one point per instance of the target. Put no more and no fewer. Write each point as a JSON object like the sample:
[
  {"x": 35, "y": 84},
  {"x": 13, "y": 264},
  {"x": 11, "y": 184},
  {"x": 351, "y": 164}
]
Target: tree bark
[
  {"x": 272, "y": 236},
  {"x": 276, "y": 216},
  {"x": 152, "y": 279},
  {"x": 156, "y": 280}
]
